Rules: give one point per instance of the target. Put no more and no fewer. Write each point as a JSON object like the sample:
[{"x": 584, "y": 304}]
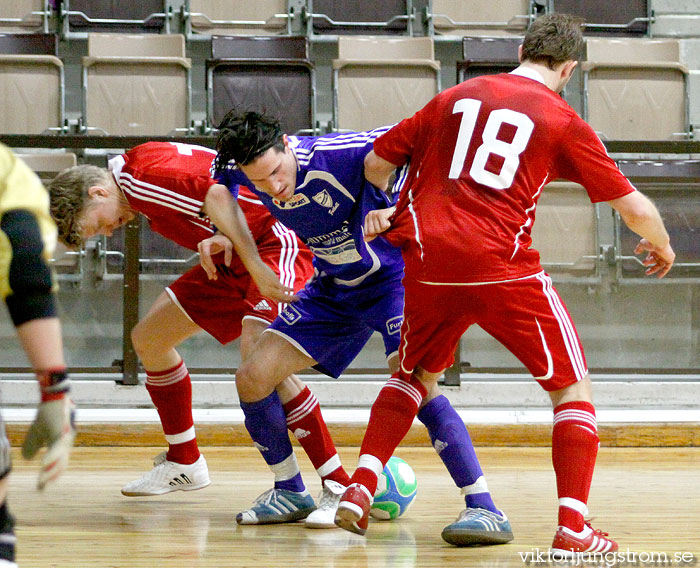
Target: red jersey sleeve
[
  {"x": 583, "y": 159},
  {"x": 396, "y": 146}
]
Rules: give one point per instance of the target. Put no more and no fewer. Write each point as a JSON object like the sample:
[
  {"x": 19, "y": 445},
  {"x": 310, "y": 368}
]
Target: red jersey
[
  {"x": 168, "y": 182},
  {"x": 480, "y": 154}
]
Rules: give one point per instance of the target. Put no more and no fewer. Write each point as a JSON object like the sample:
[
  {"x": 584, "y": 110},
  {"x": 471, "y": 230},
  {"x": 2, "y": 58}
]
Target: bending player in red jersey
[
  {"x": 170, "y": 185},
  {"x": 480, "y": 154}
]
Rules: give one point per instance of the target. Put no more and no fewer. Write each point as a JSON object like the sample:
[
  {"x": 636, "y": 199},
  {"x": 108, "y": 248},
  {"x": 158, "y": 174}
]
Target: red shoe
[
  {"x": 566, "y": 541},
  {"x": 353, "y": 509}
]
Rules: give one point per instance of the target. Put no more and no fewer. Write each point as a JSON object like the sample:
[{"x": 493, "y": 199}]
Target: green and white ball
[{"x": 396, "y": 490}]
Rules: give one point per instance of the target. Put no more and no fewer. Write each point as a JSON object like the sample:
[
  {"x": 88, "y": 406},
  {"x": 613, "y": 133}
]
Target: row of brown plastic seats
[{"x": 319, "y": 17}]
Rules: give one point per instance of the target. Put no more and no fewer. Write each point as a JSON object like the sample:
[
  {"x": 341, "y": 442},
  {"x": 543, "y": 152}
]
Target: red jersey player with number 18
[{"x": 480, "y": 154}]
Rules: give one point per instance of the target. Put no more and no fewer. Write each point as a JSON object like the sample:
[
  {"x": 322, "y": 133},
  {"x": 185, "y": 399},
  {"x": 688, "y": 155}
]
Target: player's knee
[
  {"x": 139, "y": 339},
  {"x": 251, "y": 382},
  {"x": 29, "y": 275},
  {"x": 244, "y": 375}
]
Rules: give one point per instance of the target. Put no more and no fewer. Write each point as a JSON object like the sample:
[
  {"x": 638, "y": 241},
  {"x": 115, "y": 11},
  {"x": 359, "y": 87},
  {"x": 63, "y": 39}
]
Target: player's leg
[
  {"x": 305, "y": 421},
  {"x": 312, "y": 331},
  {"x": 397, "y": 404},
  {"x": 168, "y": 383},
  {"x": 546, "y": 342},
  {"x": 271, "y": 360},
  {"x": 481, "y": 522}
]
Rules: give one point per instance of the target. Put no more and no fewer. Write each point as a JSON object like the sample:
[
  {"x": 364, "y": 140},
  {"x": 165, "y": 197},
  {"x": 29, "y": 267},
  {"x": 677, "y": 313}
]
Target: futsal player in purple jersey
[{"x": 317, "y": 187}]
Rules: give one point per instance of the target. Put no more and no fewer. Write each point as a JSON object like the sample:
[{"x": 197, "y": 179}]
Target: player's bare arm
[
  {"x": 225, "y": 213},
  {"x": 377, "y": 222},
  {"x": 378, "y": 170},
  {"x": 642, "y": 217}
]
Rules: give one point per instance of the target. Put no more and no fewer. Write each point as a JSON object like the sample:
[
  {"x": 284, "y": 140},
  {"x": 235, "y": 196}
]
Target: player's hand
[
  {"x": 211, "y": 246},
  {"x": 53, "y": 427},
  {"x": 269, "y": 284},
  {"x": 659, "y": 260},
  {"x": 377, "y": 222}
]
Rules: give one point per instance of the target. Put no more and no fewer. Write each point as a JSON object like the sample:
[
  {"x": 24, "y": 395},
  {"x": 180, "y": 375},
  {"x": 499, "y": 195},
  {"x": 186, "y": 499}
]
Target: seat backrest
[
  {"x": 47, "y": 164},
  {"x": 566, "y": 230},
  {"x": 360, "y": 17},
  {"x": 267, "y": 47},
  {"x": 270, "y": 74},
  {"x": 22, "y": 16},
  {"x": 613, "y": 50},
  {"x": 116, "y": 16},
  {"x": 380, "y": 48},
  {"x": 261, "y": 17},
  {"x": 136, "y": 45},
  {"x": 378, "y": 81},
  {"x": 28, "y": 66},
  {"x": 29, "y": 44},
  {"x": 487, "y": 55},
  {"x": 602, "y": 17},
  {"x": 635, "y": 88},
  {"x": 136, "y": 84},
  {"x": 475, "y": 17}
]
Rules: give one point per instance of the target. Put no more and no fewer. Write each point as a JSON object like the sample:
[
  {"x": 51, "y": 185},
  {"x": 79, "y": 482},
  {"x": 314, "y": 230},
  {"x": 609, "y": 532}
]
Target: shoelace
[
  {"x": 267, "y": 497},
  {"x": 160, "y": 458},
  {"x": 596, "y": 532},
  {"x": 328, "y": 499},
  {"x": 471, "y": 513}
]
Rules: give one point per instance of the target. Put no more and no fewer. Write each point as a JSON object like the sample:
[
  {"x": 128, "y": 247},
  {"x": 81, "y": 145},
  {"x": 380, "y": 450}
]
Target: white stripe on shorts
[{"x": 565, "y": 325}]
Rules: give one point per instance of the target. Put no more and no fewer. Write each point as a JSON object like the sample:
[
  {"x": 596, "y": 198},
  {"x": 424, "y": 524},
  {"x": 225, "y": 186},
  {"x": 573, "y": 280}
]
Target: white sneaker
[
  {"x": 324, "y": 515},
  {"x": 167, "y": 476}
]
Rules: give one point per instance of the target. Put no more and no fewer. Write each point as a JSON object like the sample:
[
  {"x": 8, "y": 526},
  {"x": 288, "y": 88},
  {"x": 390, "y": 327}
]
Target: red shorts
[
  {"x": 527, "y": 316},
  {"x": 219, "y": 306}
]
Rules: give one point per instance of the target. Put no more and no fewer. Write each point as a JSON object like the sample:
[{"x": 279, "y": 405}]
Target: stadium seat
[
  {"x": 605, "y": 18},
  {"x": 635, "y": 89},
  {"x": 674, "y": 186},
  {"x": 79, "y": 17},
  {"x": 477, "y": 18},
  {"x": 29, "y": 66},
  {"x": 47, "y": 164},
  {"x": 24, "y": 16},
  {"x": 361, "y": 17},
  {"x": 219, "y": 17},
  {"x": 136, "y": 84},
  {"x": 268, "y": 73},
  {"x": 566, "y": 231},
  {"x": 378, "y": 81},
  {"x": 487, "y": 56}
]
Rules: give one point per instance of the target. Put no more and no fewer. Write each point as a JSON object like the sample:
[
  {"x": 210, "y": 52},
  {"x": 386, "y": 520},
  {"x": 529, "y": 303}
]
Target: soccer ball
[{"x": 396, "y": 490}]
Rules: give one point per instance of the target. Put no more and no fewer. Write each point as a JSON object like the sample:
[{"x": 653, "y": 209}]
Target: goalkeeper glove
[{"x": 53, "y": 426}]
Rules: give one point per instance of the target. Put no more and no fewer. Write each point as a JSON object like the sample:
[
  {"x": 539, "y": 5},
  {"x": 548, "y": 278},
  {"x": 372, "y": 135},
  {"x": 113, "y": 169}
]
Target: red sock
[
  {"x": 574, "y": 450},
  {"x": 389, "y": 421},
  {"x": 171, "y": 393},
  {"x": 305, "y": 421}
]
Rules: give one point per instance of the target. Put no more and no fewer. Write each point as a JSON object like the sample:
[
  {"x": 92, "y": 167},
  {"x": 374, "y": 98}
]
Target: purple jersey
[{"x": 329, "y": 205}]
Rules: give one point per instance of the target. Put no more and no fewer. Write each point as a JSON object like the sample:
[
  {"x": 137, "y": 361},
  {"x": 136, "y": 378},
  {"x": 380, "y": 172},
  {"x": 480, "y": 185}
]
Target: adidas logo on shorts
[{"x": 262, "y": 305}]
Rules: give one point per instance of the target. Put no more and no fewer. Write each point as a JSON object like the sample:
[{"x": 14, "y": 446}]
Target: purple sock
[
  {"x": 451, "y": 441},
  {"x": 267, "y": 425}
]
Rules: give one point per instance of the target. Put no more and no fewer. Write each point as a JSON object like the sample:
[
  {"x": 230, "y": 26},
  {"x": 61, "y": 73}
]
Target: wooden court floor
[{"x": 647, "y": 498}]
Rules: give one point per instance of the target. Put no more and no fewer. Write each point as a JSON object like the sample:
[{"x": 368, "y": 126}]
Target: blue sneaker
[
  {"x": 476, "y": 526},
  {"x": 277, "y": 506}
]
